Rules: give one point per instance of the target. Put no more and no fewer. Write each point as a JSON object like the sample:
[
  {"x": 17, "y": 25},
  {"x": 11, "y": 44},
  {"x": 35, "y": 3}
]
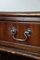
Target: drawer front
[{"x": 27, "y": 33}]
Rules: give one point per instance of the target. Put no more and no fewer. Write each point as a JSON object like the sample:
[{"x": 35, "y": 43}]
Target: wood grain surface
[{"x": 22, "y": 22}]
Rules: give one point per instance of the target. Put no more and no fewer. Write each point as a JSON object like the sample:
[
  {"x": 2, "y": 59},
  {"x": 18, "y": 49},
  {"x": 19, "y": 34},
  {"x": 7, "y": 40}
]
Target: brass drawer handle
[{"x": 26, "y": 34}]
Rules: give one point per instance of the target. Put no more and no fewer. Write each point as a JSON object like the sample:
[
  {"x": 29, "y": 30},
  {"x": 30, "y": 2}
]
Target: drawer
[{"x": 20, "y": 32}]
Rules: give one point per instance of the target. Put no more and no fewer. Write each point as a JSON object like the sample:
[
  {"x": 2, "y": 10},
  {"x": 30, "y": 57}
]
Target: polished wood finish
[
  {"x": 5, "y": 34},
  {"x": 21, "y": 21},
  {"x": 10, "y": 56}
]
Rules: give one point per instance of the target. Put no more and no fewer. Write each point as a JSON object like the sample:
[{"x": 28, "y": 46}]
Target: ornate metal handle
[{"x": 26, "y": 34}]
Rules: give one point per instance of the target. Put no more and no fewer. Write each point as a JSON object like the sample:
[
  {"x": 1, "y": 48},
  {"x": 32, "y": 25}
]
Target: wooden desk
[{"x": 20, "y": 33}]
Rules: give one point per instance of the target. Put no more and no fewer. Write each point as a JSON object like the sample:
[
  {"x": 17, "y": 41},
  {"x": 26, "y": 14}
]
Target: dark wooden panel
[
  {"x": 6, "y": 56},
  {"x": 5, "y": 34},
  {"x": 21, "y": 21}
]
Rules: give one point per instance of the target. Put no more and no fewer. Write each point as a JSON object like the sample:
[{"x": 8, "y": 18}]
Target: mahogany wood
[{"x": 21, "y": 21}]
